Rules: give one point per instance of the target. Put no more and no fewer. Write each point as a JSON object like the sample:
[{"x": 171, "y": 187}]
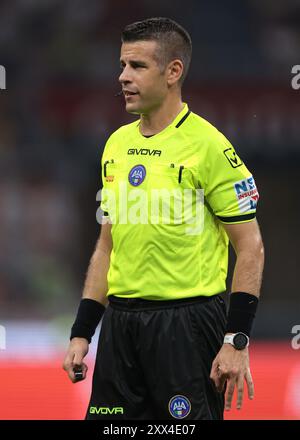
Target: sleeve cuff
[{"x": 237, "y": 218}]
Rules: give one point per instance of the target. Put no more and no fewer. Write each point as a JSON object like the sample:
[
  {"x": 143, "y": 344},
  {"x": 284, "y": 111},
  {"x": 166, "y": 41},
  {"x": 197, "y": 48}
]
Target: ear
[{"x": 174, "y": 71}]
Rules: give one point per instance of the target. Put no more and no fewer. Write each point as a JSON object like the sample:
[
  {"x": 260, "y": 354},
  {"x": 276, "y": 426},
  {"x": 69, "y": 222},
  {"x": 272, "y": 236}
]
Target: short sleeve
[{"x": 230, "y": 188}]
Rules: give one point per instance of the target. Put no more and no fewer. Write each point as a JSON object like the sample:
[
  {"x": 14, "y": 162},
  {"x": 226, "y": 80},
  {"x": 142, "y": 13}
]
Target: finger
[
  {"x": 250, "y": 385},
  {"x": 69, "y": 368},
  {"x": 229, "y": 393},
  {"x": 213, "y": 371},
  {"x": 223, "y": 374},
  {"x": 222, "y": 380},
  {"x": 214, "y": 375},
  {"x": 214, "y": 367},
  {"x": 240, "y": 391},
  {"x": 68, "y": 361},
  {"x": 220, "y": 375},
  {"x": 78, "y": 358}
]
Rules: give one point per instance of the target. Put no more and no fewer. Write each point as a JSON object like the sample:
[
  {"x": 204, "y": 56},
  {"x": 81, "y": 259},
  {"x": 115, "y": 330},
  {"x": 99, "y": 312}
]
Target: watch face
[{"x": 240, "y": 341}]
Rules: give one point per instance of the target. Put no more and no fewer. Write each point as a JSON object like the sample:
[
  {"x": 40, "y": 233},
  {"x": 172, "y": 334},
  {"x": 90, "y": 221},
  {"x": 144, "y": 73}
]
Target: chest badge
[{"x": 137, "y": 175}]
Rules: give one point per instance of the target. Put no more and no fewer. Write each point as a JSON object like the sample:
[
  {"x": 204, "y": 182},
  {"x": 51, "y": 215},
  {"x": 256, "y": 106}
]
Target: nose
[{"x": 124, "y": 77}]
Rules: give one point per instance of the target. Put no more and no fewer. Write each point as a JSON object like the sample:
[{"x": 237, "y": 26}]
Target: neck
[{"x": 159, "y": 118}]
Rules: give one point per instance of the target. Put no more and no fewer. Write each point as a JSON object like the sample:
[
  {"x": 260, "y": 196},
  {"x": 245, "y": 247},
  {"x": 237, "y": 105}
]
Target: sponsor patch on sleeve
[
  {"x": 247, "y": 194},
  {"x": 232, "y": 157}
]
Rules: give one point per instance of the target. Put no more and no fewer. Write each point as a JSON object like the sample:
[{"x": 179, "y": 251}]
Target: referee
[{"x": 174, "y": 193}]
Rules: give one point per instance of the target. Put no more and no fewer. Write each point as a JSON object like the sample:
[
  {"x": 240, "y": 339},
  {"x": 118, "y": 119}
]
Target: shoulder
[
  {"x": 203, "y": 129},
  {"x": 205, "y": 136},
  {"x": 118, "y": 137},
  {"x": 123, "y": 131}
]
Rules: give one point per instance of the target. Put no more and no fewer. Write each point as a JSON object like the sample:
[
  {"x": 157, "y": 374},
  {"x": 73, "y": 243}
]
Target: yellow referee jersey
[{"x": 167, "y": 196}]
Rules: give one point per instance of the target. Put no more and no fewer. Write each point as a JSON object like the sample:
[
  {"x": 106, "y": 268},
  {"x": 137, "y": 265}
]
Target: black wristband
[
  {"x": 88, "y": 317},
  {"x": 241, "y": 313}
]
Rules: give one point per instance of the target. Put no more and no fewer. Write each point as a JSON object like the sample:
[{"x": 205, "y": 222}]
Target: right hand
[
  {"x": 78, "y": 349},
  {"x": 231, "y": 367}
]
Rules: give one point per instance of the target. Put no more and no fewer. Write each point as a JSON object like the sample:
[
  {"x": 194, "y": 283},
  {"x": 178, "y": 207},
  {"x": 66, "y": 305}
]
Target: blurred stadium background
[{"x": 61, "y": 60}]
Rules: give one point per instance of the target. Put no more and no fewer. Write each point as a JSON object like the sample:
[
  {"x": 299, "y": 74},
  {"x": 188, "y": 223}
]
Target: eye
[{"x": 137, "y": 65}]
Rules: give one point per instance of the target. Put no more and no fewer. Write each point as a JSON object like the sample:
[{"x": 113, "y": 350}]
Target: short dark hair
[{"x": 174, "y": 41}]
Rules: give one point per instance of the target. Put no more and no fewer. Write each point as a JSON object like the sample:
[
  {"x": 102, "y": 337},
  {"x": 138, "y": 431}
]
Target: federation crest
[
  {"x": 137, "y": 175},
  {"x": 179, "y": 407}
]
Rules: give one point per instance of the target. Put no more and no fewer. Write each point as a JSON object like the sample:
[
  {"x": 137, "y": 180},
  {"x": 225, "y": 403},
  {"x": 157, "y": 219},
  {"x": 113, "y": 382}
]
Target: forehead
[{"x": 142, "y": 50}]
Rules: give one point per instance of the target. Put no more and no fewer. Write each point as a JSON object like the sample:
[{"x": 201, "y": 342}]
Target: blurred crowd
[{"x": 62, "y": 66}]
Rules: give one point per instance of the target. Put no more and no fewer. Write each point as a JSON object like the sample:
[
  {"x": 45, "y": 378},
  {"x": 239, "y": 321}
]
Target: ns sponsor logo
[
  {"x": 246, "y": 193},
  {"x": 106, "y": 410}
]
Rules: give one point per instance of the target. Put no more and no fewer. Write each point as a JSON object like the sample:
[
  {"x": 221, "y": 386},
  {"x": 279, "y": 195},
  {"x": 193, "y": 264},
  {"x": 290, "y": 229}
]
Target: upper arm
[
  {"x": 229, "y": 186},
  {"x": 105, "y": 239},
  {"x": 244, "y": 236}
]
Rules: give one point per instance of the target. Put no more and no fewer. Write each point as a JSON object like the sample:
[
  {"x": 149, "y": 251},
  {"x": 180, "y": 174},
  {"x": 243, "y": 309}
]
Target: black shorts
[{"x": 154, "y": 360}]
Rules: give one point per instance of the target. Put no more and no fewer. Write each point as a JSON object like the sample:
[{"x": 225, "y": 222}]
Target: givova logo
[
  {"x": 247, "y": 194},
  {"x": 104, "y": 410},
  {"x": 179, "y": 407}
]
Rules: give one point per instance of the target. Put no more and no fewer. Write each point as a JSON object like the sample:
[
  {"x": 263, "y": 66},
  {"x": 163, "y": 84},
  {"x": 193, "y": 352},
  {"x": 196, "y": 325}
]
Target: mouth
[{"x": 127, "y": 93}]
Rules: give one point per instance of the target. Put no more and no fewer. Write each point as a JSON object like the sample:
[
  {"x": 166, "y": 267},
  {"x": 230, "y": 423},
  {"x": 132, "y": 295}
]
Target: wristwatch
[{"x": 238, "y": 340}]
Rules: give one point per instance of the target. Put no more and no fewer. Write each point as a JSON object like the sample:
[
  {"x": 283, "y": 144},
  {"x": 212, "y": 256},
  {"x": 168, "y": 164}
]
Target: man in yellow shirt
[{"x": 174, "y": 193}]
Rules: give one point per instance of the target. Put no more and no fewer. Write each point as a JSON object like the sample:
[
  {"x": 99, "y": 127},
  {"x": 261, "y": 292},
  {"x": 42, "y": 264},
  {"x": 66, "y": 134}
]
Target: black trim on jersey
[
  {"x": 182, "y": 119},
  {"x": 180, "y": 173},
  {"x": 236, "y": 218},
  {"x": 105, "y": 165}
]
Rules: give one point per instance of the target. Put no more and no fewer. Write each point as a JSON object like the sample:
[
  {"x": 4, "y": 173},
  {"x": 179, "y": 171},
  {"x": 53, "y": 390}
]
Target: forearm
[
  {"x": 95, "y": 286},
  {"x": 248, "y": 271}
]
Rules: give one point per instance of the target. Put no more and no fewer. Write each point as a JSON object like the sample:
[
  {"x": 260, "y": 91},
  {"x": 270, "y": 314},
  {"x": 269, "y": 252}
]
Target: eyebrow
[{"x": 134, "y": 63}]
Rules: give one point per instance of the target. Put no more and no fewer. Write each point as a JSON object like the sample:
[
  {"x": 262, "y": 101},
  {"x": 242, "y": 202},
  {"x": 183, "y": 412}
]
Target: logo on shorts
[
  {"x": 137, "y": 175},
  {"x": 179, "y": 407},
  {"x": 106, "y": 410}
]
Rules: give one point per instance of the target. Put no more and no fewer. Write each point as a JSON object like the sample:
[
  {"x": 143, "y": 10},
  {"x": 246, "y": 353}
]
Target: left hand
[{"x": 232, "y": 366}]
